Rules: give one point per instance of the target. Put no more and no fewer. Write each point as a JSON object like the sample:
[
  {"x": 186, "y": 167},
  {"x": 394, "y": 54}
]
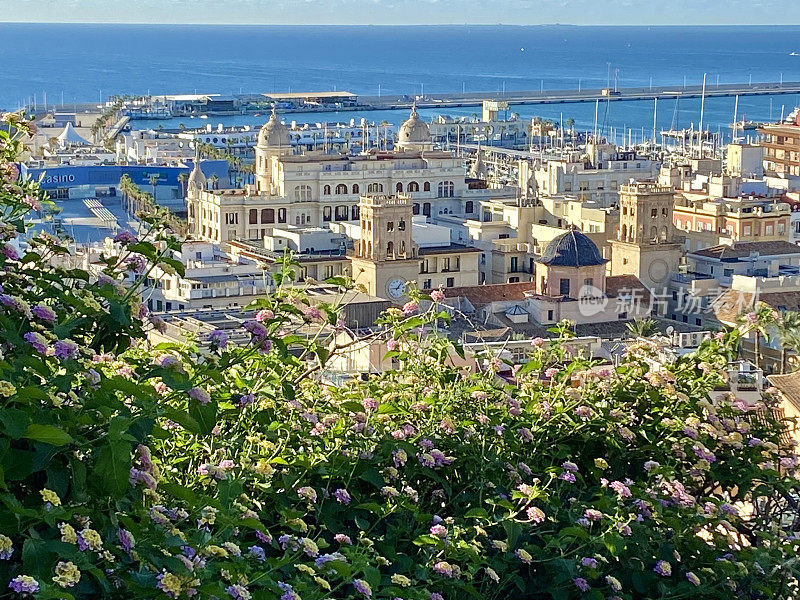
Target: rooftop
[
  {"x": 571, "y": 249},
  {"x": 737, "y": 250}
]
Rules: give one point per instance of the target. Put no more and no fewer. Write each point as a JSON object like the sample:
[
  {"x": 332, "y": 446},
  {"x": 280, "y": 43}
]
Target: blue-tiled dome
[{"x": 571, "y": 249}]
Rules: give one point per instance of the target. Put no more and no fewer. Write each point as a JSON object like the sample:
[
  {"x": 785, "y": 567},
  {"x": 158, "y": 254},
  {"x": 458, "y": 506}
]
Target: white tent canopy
[{"x": 70, "y": 137}]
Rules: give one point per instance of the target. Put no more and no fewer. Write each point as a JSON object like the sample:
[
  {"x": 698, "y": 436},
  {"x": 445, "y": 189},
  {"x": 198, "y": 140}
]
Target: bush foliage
[{"x": 236, "y": 472}]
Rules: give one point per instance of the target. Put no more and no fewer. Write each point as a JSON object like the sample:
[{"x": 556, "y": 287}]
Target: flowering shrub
[{"x": 237, "y": 472}]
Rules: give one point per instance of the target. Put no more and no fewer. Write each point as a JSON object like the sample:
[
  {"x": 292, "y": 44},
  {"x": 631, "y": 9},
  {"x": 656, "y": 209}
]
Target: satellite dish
[{"x": 670, "y": 330}]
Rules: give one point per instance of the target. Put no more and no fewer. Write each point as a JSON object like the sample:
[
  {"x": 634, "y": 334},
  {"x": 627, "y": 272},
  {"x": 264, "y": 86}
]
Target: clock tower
[
  {"x": 385, "y": 257},
  {"x": 645, "y": 245}
]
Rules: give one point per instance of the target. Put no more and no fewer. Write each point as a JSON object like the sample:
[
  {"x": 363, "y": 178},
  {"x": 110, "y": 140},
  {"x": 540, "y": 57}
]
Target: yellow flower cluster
[
  {"x": 68, "y": 533},
  {"x": 92, "y": 539},
  {"x": 51, "y": 497},
  {"x": 7, "y": 389},
  {"x": 67, "y": 574}
]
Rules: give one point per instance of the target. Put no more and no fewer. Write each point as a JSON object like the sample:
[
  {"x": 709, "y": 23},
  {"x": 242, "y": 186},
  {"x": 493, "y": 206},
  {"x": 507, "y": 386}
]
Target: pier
[{"x": 588, "y": 95}]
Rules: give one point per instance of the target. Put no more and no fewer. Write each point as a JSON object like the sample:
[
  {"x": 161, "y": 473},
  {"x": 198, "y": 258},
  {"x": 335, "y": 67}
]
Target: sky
[{"x": 407, "y": 12}]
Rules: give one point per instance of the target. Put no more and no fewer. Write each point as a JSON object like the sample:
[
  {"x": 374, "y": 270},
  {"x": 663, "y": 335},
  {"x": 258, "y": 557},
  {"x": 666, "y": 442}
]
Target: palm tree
[
  {"x": 153, "y": 180},
  {"x": 789, "y": 332},
  {"x": 761, "y": 323},
  {"x": 182, "y": 179},
  {"x": 642, "y": 327},
  {"x": 214, "y": 181}
]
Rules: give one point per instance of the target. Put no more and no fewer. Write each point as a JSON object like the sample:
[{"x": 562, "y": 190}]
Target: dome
[
  {"x": 274, "y": 134},
  {"x": 197, "y": 180},
  {"x": 414, "y": 131},
  {"x": 571, "y": 249}
]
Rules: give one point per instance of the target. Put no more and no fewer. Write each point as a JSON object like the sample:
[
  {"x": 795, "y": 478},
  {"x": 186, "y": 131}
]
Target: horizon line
[{"x": 517, "y": 25}]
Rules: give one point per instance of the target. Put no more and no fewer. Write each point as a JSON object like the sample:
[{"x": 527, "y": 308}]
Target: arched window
[
  {"x": 446, "y": 189},
  {"x": 402, "y": 247},
  {"x": 426, "y": 187},
  {"x": 654, "y": 233},
  {"x": 399, "y": 187},
  {"x": 623, "y": 234},
  {"x": 375, "y": 188},
  {"x": 326, "y": 190},
  {"x": 390, "y": 248},
  {"x": 664, "y": 233},
  {"x": 355, "y": 188},
  {"x": 401, "y": 226},
  {"x": 253, "y": 217},
  {"x": 415, "y": 208},
  {"x": 469, "y": 207},
  {"x": 341, "y": 189},
  {"x": 297, "y": 220},
  {"x": 302, "y": 193},
  {"x": 413, "y": 186}
]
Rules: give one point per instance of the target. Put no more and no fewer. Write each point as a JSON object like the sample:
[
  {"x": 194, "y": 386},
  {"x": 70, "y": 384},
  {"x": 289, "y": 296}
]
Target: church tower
[
  {"x": 385, "y": 257},
  {"x": 645, "y": 244}
]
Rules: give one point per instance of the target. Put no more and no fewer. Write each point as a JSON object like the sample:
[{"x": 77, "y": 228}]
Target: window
[
  {"x": 469, "y": 207},
  {"x": 413, "y": 186},
  {"x": 253, "y": 216},
  {"x": 563, "y": 287},
  {"x": 622, "y": 315},
  {"x": 514, "y": 264},
  {"x": 426, "y": 187},
  {"x": 340, "y": 213},
  {"x": 445, "y": 264},
  {"x": 446, "y": 189},
  {"x": 302, "y": 193},
  {"x": 390, "y": 249},
  {"x": 426, "y": 285},
  {"x": 567, "y": 186},
  {"x": 232, "y": 218},
  {"x": 663, "y": 212},
  {"x": 401, "y": 226},
  {"x": 355, "y": 188},
  {"x": 727, "y": 272},
  {"x": 654, "y": 212},
  {"x": 426, "y": 209},
  {"x": 326, "y": 191},
  {"x": 354, "y": 212},
  {"x": 588, "y": 282},
  {"x": 697, "y": 321},
  {"x": 281, "y": 215},
  {"x": 769, "y": 230},
  {"x": 398, "y": 188},
  {"x": 375, "y": 188},
  {"x": 268, "y": 215},
  {"x": 583, "y": 186},
  {"x": 549, "y": 315},
  {"x": 390, "y": 226},
  {"x": 513, "y": 280},
  {"x": 415, "y": 211},
  {"x": 451, "y": 281},
  {"x": 326, "y": 213},
  {"x": 341, "y": 189}
]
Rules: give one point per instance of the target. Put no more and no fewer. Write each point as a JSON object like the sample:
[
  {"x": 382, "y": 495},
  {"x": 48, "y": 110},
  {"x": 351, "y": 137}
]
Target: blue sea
[{"x": 79, "y": 63}]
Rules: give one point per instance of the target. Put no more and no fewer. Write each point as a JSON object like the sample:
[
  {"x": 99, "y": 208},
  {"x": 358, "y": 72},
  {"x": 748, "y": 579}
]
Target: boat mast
[
  {"x": 702, "y": 108},
  {"x": 655, "y": 112},
  {"x": 735, "y": 116}
]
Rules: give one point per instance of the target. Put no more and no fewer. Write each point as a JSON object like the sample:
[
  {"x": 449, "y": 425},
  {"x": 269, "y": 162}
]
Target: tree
[
  {"x": 183, "y": 178},
  {"x": 644, "y": 328},
  {"x": 153, "y": 181},
  {"x": 788, "y": 325},
  {"x": 761, "y": 323}
]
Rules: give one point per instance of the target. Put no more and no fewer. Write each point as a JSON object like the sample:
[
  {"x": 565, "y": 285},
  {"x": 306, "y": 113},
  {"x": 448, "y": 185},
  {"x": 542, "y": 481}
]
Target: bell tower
[
  {"x": 645, "y": 243},
  {"x": 385, "y": 257}
]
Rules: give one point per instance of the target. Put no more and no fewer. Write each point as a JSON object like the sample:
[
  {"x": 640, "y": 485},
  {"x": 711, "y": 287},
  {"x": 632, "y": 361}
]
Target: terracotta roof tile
[{"x": 744, "y": 249}]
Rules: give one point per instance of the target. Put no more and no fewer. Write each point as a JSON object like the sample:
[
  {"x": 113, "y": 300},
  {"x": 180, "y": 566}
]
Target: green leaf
[
  {"x": 113, "y": 467},
  {"x": 374, "y": 477},
  {"x": 15, "y": 422},
  {"x": 183, "y": 419},
  {"x": 476, "y": 513},
  {"x": 205, "y": 416},
  {"x": 179, "y": 491},
  {"x": 48, "y": 434}
]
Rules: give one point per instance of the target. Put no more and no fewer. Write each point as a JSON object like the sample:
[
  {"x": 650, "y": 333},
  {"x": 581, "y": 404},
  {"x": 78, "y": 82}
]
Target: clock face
[
  {"x": 658, "y": 271},
  {"x": 396, "y": 287}
]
